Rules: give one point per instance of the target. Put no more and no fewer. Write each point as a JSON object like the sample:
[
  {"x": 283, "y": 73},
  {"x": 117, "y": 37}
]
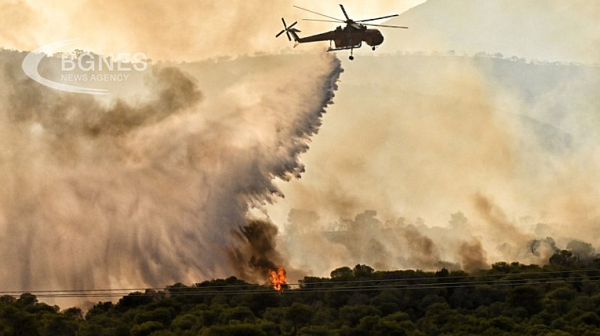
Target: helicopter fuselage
[{"x": 353, "y": 37}]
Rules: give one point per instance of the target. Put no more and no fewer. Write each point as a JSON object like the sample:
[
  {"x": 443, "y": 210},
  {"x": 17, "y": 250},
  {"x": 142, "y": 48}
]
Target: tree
[
  {"x": 26, "y": 300},
  {"x": 60, "y": 325},
  {"x": 368, "y": 322},
  {"x": 387, "y": 302},
  {"x": 362, "y": 271},
  {"x": 397, "y": 324},
  {"x": 161, "y": 314},
  {"x": 103, "y": 325},
  {"x": 589, "y": 318},
  {"x": 146, "y": 328},
  {"x": 73, "y": 313},
  {"x": 234, "y": 330},
  {"x": 342, "y": 273},
  {"x": 299, "y": 315},
  {"x": 133, "y": 300},
  {"x": 563, "y": 258},
  {"x": 315, "y": 331},
  {"x": 351, "y": 315},
  {"x": 184, "y": 322},
  {"x": 239, "y": 313},
  {"x": 436, "y": 317},
  {"x": 527, "y": 297}
]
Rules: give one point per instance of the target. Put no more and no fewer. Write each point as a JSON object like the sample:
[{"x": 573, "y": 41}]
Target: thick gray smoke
[{"x": 147, "y": 192}]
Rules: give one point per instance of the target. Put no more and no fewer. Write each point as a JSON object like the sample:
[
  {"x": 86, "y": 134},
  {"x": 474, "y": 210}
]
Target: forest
[{"x": 560, "y": 298}]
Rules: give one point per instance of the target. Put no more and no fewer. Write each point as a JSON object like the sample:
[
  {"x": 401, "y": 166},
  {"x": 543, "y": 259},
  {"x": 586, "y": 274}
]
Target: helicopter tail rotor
[{"x": 289, "y": 29}]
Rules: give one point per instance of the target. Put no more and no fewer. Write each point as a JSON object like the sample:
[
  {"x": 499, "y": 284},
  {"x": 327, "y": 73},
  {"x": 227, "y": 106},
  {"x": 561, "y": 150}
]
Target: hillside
[{"x": 552, "y": 30}]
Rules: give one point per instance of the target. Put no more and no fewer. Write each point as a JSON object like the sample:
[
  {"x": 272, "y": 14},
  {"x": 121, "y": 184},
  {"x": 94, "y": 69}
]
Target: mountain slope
[{"x": 550, "y": 30}]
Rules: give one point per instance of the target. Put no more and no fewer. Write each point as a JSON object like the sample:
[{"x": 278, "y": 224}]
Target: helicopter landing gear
[
  {"x": 351, "y": 58},
  {"x": 373, "y": 48},
  {"x": 351, "y": 54}
]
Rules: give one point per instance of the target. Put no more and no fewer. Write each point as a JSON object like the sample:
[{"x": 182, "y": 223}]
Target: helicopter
[{"x": 349, "y": 37}]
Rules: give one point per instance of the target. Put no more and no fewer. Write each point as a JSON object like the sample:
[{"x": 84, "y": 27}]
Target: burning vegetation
[
  {"x": 278, "y": 279},
  {"x": 256, "y": 256}
]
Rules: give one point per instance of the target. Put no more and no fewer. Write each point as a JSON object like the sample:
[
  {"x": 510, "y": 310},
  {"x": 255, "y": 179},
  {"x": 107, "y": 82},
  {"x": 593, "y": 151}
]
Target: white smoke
[
  {"x": 146, "y": 193},
  {"x": 511, "y": 145}
]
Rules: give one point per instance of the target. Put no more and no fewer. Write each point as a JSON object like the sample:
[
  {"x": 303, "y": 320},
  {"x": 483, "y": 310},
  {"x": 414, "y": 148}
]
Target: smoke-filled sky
[
  {"x": 509, "y": 145},
  {"x": 426, "y": 157},
  {"x": 153, "y": 190},
  {"x": 182, "y": 30}
]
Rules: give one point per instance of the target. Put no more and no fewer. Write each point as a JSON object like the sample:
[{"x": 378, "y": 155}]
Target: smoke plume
[
  {"x": 473, "y": 158},
  {"x": 256, "y": 255},
  {"x": 148, "y": 191},
  {"x": 472, "y": 256}
]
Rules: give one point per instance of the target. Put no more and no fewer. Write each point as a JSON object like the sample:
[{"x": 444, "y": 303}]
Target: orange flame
[{"x": 278, "y": 278}]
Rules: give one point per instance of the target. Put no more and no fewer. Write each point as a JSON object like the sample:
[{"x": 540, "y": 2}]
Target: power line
[
  {"x": 457, "y": 276},
  {"x": 300, "y": 291},
  {"x": 209, "y": 292},
  {"x": 304, "y": 283}
]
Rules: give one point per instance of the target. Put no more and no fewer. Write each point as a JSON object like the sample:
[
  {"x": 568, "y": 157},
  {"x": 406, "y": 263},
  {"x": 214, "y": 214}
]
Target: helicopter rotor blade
[
  {"x": 378, "y": 18},
  {"x": 287, "y": 29},
  {"x": 386, "y": 26},
  {"x": 320, "y": 20},
  {"x": 345, "y": 14},
  {"x": 327, "y": 16}
]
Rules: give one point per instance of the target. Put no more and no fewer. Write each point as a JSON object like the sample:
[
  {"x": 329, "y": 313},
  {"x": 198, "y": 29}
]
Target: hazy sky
[
  {"x": 181, "y": 30},
  {"x": 414, "y": 136}
]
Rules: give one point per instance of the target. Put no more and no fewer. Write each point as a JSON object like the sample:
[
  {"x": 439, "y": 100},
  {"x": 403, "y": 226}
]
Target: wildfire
[{"x": 278, "y": 279}]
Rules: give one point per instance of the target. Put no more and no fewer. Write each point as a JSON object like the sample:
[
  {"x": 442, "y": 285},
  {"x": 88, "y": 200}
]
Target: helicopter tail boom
[{"x": 294, "y": 32}]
